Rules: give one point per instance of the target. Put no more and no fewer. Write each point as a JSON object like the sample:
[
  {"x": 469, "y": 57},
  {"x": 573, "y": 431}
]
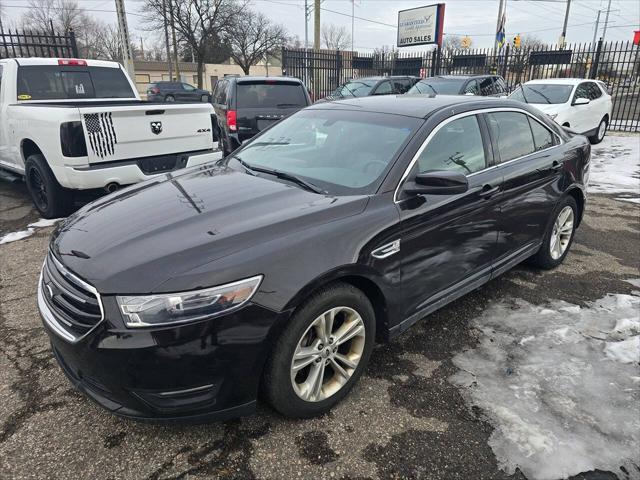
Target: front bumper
[
  {"x": 204, "y": 371},
  {"x": 122, "y": 173}
]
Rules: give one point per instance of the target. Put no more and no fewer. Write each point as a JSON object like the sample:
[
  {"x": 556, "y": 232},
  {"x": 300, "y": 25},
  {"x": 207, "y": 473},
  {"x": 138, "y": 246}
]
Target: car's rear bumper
[{"x": 125, "y": 172}]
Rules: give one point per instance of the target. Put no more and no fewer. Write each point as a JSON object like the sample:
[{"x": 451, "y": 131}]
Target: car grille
[{"x": 74, "y": 303}]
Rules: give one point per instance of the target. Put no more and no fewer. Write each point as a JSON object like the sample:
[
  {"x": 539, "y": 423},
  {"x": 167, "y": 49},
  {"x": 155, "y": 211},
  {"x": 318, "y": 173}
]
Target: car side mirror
[
  {"x": 437, "y": 182},
  {"x": 581, "y": 101}
]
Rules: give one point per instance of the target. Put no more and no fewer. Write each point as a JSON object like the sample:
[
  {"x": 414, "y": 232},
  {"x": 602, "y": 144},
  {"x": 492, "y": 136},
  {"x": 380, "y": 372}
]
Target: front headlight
[{"x": 171, "y": 308}]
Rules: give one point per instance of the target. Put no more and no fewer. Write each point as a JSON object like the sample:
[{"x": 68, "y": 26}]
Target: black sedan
[
  {"x": 274, "y": 271},
  {"x": 482, "y": 85},
  {"x": 176, "y": 92}
]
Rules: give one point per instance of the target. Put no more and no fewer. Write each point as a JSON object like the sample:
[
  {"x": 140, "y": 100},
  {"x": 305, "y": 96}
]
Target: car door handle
[
  {"x": 555, "y": 166},
  {"x": 488, "y": 191}
]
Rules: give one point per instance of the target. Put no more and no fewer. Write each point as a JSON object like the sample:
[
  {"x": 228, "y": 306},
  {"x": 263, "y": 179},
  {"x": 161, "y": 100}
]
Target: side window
[
  {"x": 472, "y": 87},
  {"x": 486, "y": 86},
  {"x": 456, "y": 146},
  {"x": 582, "y": 91},
  {"x": 542, "y": 137},
  {"x": 512, "y": 134},
  {"x": 188, "y": 88},
  {"x": 383, "y": 89},
  {"x": 222, "y": 92},
  {"x": 499, "y": 85},
  {"x": 594, "y": 91}
]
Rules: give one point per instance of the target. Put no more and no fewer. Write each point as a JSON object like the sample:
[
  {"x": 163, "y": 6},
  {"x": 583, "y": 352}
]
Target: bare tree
[
  {"x": 200, "y": 24},
  {"x": 254, "y": 38},
  {"x": 64, "y": 14},
  {"x": 335, "y": 37},
  {"x": 519, "y": 62}
]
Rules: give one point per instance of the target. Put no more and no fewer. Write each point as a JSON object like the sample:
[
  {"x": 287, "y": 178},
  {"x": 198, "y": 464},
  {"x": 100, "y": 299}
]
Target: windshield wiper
[
  {"x": 288, "y": 176},
  {"x": 541, "y": 94},
  {"x": 245, "y": 165},
  {"x": 282, "y": 105}
]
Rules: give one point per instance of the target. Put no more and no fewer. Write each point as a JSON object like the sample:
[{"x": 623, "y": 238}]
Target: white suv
[{"x": 583, "y": 105}]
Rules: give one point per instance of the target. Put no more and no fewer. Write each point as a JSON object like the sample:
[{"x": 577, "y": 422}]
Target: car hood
[
  {"x": 549, "y": 109},
  {"x": 135, "y": 240}
]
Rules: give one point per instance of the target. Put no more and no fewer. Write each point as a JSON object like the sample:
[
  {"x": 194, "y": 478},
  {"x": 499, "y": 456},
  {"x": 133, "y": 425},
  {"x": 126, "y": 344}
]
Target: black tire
[
  {"x": 277, "y": 388},
  {"x": 50, "y": 198},
  {"x": 599, "y": 135},
  {"x": 544, "y": 258},
  {"x": 169, "y": 98}
]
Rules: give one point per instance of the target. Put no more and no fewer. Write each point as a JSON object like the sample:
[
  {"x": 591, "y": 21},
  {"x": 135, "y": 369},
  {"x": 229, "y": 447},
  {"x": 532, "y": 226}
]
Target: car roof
[
  {"x": 419, "y": 106},
  {"x": 380, "y": 77},
  {"x": 560, "y": 81},
  {"x": 459, "y": 77},
  {"x": 253, "y": 78}
]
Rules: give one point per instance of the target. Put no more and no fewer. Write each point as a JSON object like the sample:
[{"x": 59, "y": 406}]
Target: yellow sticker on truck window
[{"x": 24, "y": 97}]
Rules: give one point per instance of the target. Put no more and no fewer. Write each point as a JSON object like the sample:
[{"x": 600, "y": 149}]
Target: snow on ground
[
  {"x": 560, "y": 384},
  {"x": 615, "y": 167},
  {"x": 31, "y": 228}
]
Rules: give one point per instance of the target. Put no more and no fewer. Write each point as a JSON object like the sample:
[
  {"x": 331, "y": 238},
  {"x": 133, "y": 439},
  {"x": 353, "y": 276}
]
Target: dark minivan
[
  {"x": 482, "y": 85},
  {"x": 176, "y": 92},
  {"x": 276, "y": 270},
  {"x": 244, "y": 106}
]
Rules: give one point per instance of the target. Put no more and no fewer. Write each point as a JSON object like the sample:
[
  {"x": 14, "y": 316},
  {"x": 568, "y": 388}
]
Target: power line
[{"x": 62, "y": 9}]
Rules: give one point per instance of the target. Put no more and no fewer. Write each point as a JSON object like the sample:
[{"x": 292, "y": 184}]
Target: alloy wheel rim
[
  {"x": 561, "y": 233},
  {"x": 39, "y": 188},
  {"x": 601, "y": 129},
  {"x": 327, "y": 354}
]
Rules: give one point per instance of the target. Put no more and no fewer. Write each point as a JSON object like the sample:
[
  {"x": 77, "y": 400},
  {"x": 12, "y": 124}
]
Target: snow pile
[
  {"x": 31, "y": 228},
  {"x": 560, "y": 384},
  {"x": 615, "y": 167}
]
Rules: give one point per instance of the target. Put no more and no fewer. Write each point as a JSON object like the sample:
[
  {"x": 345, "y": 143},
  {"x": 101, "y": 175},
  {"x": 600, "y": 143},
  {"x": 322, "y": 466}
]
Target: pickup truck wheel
[
  {"x": 50, "y": 198},
  {"x": 169, "y": 98},
  {"x": 322, "y": 352}
]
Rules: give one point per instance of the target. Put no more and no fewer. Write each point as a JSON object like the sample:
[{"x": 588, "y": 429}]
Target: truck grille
[{"x": 74, "y": 303}]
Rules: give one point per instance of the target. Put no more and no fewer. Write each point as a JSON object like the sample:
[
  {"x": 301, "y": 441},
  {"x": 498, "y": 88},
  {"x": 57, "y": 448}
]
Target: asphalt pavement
[{"x": 403, "y": 420}]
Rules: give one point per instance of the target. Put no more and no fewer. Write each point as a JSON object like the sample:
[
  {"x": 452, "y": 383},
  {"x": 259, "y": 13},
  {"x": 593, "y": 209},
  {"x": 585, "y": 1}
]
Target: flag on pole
[{"x": 500, "y": 35}]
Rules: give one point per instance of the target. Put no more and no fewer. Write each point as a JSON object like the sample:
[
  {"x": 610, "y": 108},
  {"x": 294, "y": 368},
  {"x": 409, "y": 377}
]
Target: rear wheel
[
  {"x": 169, "y": 98},
  {"x": 600, "y": 132},
  {"x": 322, "y": 352},
  {"x": 50, "y": 198},
  {"x": 559, "y": 236}
]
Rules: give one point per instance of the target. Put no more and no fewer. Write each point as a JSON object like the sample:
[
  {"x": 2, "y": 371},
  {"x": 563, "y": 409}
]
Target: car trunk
[
  {"x": 137, "y": 130},
  {"x": 261, "y": 103}
]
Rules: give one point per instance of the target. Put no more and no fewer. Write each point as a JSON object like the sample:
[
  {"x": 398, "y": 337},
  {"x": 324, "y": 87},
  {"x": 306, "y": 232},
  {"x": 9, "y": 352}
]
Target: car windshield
[
  {"x": 545, "y": 93},
  {"x": 341, "y": 152},
  {"x": 55, "y": 82},
  {"x": 440, "y": 86},
  {"x": 354, "y": 88},
  {"x": 270, "y": 94}
]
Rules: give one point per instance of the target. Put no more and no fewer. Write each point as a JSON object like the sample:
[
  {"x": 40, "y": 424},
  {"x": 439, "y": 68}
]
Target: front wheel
[
  {"x": 169, "y": 98},
  {"x": 322, "y": 352},
  {"x": 50, "y": 198},
  {"x": 559, "y": 236},
  {"x": 600, "y": 132}
]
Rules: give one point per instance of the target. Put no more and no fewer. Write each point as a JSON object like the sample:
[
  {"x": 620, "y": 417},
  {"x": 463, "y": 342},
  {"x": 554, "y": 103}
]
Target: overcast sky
[{"x": 476, "y": 18}]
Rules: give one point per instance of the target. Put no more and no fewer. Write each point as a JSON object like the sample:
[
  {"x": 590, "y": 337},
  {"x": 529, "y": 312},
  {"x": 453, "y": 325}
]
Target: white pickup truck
[{"x": 68, "y": 124}]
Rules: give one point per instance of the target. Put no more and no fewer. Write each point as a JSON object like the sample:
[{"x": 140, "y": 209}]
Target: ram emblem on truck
[
  {"x": 156, "y": 127},
  {"x": 102, "y": 135}
]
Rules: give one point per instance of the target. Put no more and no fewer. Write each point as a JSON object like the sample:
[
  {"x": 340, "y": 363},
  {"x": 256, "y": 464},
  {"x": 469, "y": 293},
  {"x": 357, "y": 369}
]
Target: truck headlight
[{"x": 173, "y": 308}]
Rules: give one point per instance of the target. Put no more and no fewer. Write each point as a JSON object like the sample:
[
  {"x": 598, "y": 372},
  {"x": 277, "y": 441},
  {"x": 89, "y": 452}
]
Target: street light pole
[
  {"x": 500, "y": 8},
  {"x": 316, "y": 25},
  {"x": 353, "y": 12},
  {"x": 563, "y": 35},
  {"x": 166, "y": 40}
]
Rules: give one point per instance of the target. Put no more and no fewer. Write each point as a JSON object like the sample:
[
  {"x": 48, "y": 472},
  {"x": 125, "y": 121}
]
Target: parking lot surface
[{"x": 406, "y": 418}]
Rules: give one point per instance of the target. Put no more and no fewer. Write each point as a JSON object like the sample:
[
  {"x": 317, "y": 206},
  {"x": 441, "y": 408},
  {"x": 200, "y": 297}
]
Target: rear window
[
  {"x": 270, "y": 95},
  {"x": 53, "y": 82}
]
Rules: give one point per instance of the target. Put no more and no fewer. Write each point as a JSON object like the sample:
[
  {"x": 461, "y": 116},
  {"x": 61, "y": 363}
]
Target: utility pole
[
  {"x": 175, "y": 43},
  {"x": 563, "y": 35},
  {"x": 166, "y": 40},
  {"x": 353, "y": 12},
  {"x": 316, "y": 25},
  {"x": 498, "y": 24},
  {"x": 125, "y": 43},
  {"x": 595, "y": 30},
  {"x": 306, "y": 24},
  {"x": 606, "y": 21}
]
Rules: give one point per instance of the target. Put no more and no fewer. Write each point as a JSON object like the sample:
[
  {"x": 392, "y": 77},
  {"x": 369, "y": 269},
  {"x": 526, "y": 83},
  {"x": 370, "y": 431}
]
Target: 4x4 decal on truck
[{"x": 102, "y": 135}]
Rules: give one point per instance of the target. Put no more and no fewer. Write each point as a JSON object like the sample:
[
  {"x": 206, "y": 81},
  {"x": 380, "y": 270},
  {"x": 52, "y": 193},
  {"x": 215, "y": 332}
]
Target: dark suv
[
  {"x": 363, "y": 87},
  {"x": 176, "y": 92},
  {"x": 482, "y": 85},
  {"x": 244, "y": 106}
]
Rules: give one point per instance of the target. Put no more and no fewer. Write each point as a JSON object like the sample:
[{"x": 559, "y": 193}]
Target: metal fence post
[
  {"x": 72, "y": 43},
  {"x": 505, "y": 62},
  {"x": 434, "y": 61},
  {"x": 596, "y": 60},
  {"x": 284, "y": 61}
]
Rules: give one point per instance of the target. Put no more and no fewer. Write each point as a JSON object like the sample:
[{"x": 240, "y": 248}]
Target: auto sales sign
[{"x": 421, "y": 26}]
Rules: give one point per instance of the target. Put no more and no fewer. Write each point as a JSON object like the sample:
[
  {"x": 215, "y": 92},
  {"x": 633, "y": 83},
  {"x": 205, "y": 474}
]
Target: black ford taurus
[{"x": 273, "y": 272}]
